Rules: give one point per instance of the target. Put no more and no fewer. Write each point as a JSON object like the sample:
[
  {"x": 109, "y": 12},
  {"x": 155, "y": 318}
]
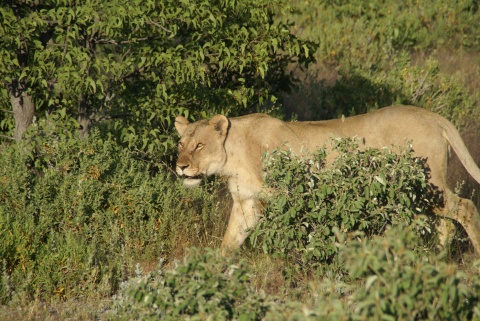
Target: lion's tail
[{"x": 452, "y": 135}]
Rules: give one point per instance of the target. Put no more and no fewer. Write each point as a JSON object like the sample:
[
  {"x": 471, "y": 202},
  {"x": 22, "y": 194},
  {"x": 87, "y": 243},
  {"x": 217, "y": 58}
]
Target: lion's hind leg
[{"x": 464, "y": 212}]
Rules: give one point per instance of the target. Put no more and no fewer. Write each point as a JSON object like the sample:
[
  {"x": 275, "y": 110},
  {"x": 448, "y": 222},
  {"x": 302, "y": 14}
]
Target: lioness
[{"x": 233, "y": 148}]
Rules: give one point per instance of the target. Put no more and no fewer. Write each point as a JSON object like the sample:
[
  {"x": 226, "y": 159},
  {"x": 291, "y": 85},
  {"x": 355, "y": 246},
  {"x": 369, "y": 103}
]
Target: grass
[{"x": 75, "y": 309}]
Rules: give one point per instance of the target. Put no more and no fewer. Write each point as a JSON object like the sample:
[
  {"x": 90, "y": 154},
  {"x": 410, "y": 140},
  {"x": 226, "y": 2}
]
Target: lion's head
[{"x": 201, "y": 150}]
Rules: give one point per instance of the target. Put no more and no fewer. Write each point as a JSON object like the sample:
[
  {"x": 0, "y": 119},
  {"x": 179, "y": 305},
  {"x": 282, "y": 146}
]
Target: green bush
[
  {"x": 360, "y": 191},
  {"x": 76, "y": 214},
  {"x": 391, "y": 277},
  {"x": 205, "y": 286},
  {"x": 402, "y": 283}
]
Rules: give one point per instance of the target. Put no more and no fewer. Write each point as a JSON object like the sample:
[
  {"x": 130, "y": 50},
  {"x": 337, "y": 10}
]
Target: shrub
[
  {"x": 360, "y": 191},
  {"x": 75, "y": 214},
  {"x": 207, "y": 286},
  {"x": 401, "y": 283},
  {"x": 204, "y": 286},
  {"x": 390, "y": 277}
]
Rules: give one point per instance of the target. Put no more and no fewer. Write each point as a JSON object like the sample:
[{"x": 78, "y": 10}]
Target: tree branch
[
  {"x": 123, "y": 42},
  {"x": 159, "y": 25},
  {"x": 7, "y": 137}
]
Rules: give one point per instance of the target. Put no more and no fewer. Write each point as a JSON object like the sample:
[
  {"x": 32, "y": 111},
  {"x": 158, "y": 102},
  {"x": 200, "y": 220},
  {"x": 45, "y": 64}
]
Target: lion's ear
[
  {"x": 219, "y": 124},
  {"x": 181, "y": 124}
]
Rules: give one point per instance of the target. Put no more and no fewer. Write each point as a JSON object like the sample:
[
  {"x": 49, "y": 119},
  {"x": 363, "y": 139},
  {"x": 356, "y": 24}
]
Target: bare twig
[
  {"x": 160, "y": 26},
  {"x": 123, "y": 42},
  {"x": 7, "y": 137},
  {"x": 66, "y": 44}
]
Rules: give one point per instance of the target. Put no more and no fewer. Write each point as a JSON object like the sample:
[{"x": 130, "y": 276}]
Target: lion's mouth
[
  {"x": 192, "y": 181},
  {"x": 193, "y": 177}
]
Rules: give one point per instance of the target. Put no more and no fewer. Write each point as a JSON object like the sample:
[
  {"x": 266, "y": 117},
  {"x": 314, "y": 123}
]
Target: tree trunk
[
  {"x": 23, "y": 110},
  {"x": 83, "y": 116}
]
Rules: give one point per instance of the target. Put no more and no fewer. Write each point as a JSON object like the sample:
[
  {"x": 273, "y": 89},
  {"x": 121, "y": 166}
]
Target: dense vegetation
[
  {"x": 89, "y": 203},
  {"x": 394, "y": 281},
  {"x": 361, "y": 191},
  {"x": 379, "y": 52}
]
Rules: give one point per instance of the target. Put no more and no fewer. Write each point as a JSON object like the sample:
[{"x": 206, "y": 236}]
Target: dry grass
[{"x": 70, "y": 310}]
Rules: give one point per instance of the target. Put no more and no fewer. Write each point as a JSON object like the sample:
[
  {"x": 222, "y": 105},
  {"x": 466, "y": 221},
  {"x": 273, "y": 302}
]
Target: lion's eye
[{"x": 199, "y": 146}]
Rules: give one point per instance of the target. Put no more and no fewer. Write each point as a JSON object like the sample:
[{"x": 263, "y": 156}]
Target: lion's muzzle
[{"x": 191, "y": 176}]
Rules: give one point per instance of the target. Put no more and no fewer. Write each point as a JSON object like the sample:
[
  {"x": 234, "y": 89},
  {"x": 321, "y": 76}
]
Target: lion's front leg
[{"x": 244, "y": 216}]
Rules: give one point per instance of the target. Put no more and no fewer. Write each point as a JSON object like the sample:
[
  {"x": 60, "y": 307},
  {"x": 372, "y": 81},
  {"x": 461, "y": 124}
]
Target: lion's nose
[{"x": 182, "y": 168}]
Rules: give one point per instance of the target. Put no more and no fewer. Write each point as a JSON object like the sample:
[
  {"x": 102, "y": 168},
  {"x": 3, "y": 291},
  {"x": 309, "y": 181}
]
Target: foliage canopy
[{"x": 143, "y": 61}]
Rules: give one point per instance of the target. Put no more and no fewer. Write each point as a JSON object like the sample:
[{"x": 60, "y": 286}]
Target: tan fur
[{"x": 233, "y": 148}]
